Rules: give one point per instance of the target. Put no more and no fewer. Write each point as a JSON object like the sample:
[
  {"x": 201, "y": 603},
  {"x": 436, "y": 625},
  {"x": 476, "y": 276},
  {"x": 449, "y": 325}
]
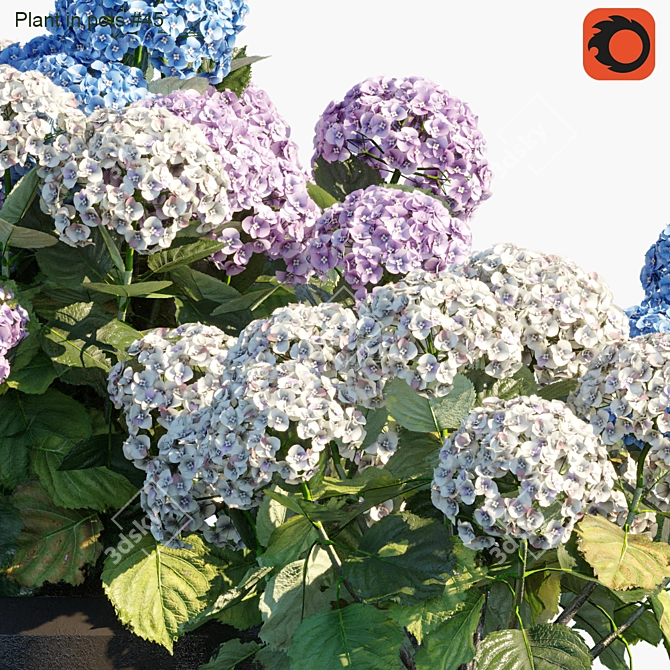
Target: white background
[{"x": 593, "y": 189}]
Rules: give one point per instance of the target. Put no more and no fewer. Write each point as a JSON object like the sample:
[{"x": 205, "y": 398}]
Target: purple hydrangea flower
[
  {"x": 382, "y": 230},
  {"x": 13, "y": 319},
  {"x": 268, "y": 186},
  {"x": 412, "y": 127}
]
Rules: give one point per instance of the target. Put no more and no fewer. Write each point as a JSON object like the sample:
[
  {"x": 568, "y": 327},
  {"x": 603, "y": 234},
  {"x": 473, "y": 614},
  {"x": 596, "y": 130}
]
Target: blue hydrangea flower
[{"x": 652, "y": 316}]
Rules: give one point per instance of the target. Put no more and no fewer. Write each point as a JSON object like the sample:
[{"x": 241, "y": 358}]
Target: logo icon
[{"x": 619, "y": 44}]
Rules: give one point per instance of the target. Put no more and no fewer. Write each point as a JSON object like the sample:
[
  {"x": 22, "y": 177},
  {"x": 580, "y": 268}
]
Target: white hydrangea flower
[
  {"x": 528, "y": 466},
  {"x": 144, "y": 173},
  {"x": 425, "y": 329},
  {"x": 37, "y": 119},
  {"x": 566, "y": 314},
  {"x": 168, "y": 372},
  {"x": 625, "y": 395}
]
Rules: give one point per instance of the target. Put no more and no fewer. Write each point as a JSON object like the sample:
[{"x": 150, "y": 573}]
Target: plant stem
[
  {"x": 337, "y": 461},
  {"x": 576, "y": 604},
  {"x": 479, "y": 634},
  {"x": 639, "y": 490},
  {"x": 603, "y": 644},
  {"x": 8, "y": 183},
  {"x": 328, "y": 546},
  {"x": 127, "y": 281},
  {"x": 519, "y": 592},
  {"x": 138, "y": 56},
  {"x": 395, "y": 178}
]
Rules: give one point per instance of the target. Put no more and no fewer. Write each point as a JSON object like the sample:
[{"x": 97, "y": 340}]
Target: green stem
[
  {"x": 127, "y": 281},
  {"x": 8, "y": 183},
  {"x": 519, "y": 593},
  {"x": 138, "y": 56},
  {"x": 639, "y": 490},
  {"x": 396, "y": 177},
  {"x": 337, "y": 460}
]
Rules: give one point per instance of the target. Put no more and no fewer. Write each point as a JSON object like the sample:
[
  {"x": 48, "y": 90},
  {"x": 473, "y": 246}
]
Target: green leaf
[
  {"x": 321, "y": 197},
  {"x": 34, "y": 377},
  {"x": 403, "y": 558},
  {"x": 342, "y": 178},
  {"x": 54, "y": 543},
  {"x": 230, "y": 654},
  {"x": 558, "y": 390},
  {"x": 118, "y": 334},
  {"x": 155, "y": 589},
  {"x": 521, "y": 382},
  {"x": 140, "y": 290},
  {"x": 552, "y": 647},
  {"x": 622, "y": 562},
  {"x": 113, "y": 250},
  {"x": 202, "y": 286},
  {"x": 239, "y": 76},
  {"x": 358, "y": 636},
  {"x": 248, "y": 301},
  {"x": 242, "y": 615},
  {"x": 288, "y": 542},
  {"x": 375, "y": 421},
  {"x": 270, "y": 659},
  {"x": 24, "y": 238},
  {"x": 543, "y": 594},
  {"x": 330, "y": 487},
  {"x": 178, "y": 256},
  {"x": 271, "y": 515},
  {"x": 660, "y": 603},
  {"x": 293, "y": 595},
  {"x": 10, "y": 529},
  {"x": 451, "y": 409},
  {"x": 241, "y": 60},
  {"x": 20, "y": 198},
  {"x": 417, "y": 455},
  {"x": 452, "y": 644},
  {"x": 408, "y": 408},
  {"x": 166, "y": 85}
]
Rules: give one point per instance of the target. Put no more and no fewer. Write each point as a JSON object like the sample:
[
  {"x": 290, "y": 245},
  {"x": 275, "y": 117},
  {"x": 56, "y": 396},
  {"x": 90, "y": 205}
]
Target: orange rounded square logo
[{"x": 619, "y": 44}]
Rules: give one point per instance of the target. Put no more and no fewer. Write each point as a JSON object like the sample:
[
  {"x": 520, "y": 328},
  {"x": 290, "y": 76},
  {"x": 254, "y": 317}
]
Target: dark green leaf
[
  {"x": 185, "y": 254},
  {"x": 24, "y": 238},
  {"x": 417, "y": 455},
  {"x": 202, "y": 286},
  {"x": 34, "y": 377},
  {"x": 10, "y": 529},
  {"x": 249, "y": 301},
  {"x": 450, "y": 410},
  {"x": 288, "y": 542},
  {"x": 117, "y": 334},
  {"x": 375, "y": 421},
  {"x": 19, "y": 200},
  {"x": 410, "y": 409},
  {"x": 558, "y": 390},
  {"x": 130, "y": 290},
  {"x": 230, "y": 653},
  {"x": 342, "y": 178},
  {"x": 521, "y": 383}
]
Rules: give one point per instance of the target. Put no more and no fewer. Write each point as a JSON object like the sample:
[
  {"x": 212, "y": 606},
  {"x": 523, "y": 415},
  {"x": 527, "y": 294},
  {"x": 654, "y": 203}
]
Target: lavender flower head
[
  {"x": 143, "y": 173},
  {"x": 415, "y": 127},
  {"x": 13, "y": 320},
  {"x": 380, "y": 232},
  {"x": 558, "y": 467},
  {"x": 567, "y": 315},
  {"x": 268, "y": 187}
]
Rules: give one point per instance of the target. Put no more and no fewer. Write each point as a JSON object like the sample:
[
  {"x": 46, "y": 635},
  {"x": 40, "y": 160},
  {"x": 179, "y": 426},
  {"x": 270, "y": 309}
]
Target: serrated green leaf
[
  {"x": 521, "y": 382},
  {"x": 417, "y": 455},
  {"x": 117, "y": 334},
  {"x": 271, "y": 515},
  {"x": 185, "y": 254},
  {"x": 155, "y": 589},
  {"x": 543, "y": 594},
  {"x": 403, "y": 558},
  {"x": 622, "y": 562},
  {"x": 230, "y": 654},
  {"x": 558, "y": 390},
  {"x": 10, "y": 529},
  {"x": 410, "y": 409},
  {"x": 242, "y": 615},
  {"x": 293, "y": 595},
  {"x": 342, "y": 178},
  {"x": 140, "y": 290},
  {"x": 452, "y": 643},
  {"x": 288, "y": 542},
  {"x": 375, "y": 421},
  {"x": 660, "y": 603},
  {"x": 239, "y": 76},
  {"x": 34, "y": 377},
  {"x": 552, "y": 647},
  {"x": 450, "y": 410},
  {"x": 358, "y": 636},
  {"x": 321, "y": 197},
  {"x": 166, "y": 85},
  {"x": 271, "y": 659},
  {"x": 54, "y": 543},
  {"x": 201, "y": 286}
]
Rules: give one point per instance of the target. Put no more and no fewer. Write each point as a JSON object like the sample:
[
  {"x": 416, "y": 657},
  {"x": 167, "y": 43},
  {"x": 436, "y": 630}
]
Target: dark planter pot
[{"x": 83, "y": 633}]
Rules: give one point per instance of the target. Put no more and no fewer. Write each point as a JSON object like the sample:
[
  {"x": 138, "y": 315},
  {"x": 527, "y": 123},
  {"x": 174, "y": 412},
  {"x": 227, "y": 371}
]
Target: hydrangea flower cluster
[
  {"x": 169, "y": 372},
  {"x": 13, "y": 320},
  {"x": 36, "y": 116},
  {"x": 415, "y": 127},
  {"x": 566, "y": 314},
  {"x": 425, "y": 329},
  {"x": 527, "y": 467},
  {"x": 650, "y": 316},
  {"x": 268, "y": 186},
  {"x": 379, "y": 231},
  {"x": 275, "y": 410},
  {"x": 98, "y": 83},
  {"x": 143, "y": 173},
  {"x": 180, "y": 37},
  {"x": 624, "y": 395}
]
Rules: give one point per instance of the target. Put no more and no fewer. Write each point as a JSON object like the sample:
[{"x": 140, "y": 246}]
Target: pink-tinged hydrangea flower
[
  {"x": 567, "y": 315},
  {"x": 36, "y": 118},
  {"x": 415, "y": 127},
  {"x": 144, "y": 173},
  {"x": 168, "y": 372},
  {"x": 13, "y": 320},
  {"x": 268, "y": 187},
  {"x": 555, "y": 469},
  {"x": 425, "y": 329},
  {"x": 380, "y": 232},
  {"x": 625, "y": 395}
]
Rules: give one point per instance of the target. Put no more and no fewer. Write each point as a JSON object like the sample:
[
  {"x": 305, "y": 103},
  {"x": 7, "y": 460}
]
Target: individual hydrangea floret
[
  {"x": 144, "y": 173},
  {"x": 625, "y": 396},
  {"x": 180, "y": 38},
  {"x": 97, "y": 83},
  {"x": 379, "y": 232},
  {"x": 425, "y": 329},
  {"x": 37, "y": 118},
  {"x": 268, "y": 186},
  {"x": 13, "y": 320},
  {"x": 412, "y": 128},
  {"x": 168, "y": 372},
  {"x": 566, "y": 314},
  {"x": 528, "y": 468}
]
